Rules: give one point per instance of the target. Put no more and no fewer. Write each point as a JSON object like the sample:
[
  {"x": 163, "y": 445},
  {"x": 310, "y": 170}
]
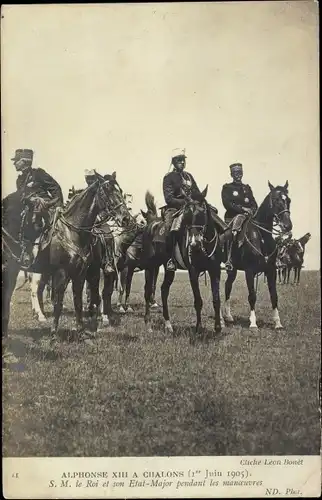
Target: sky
[{"x": 116, "y": 87}]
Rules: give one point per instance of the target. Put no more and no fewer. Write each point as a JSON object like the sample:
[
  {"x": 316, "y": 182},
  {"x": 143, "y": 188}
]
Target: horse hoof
[
  {"x": 129, "y": 309},
  {"x": 253, "y": 327},
  {"x": 155, "y": 305},
  {"x": 222, "y": 324},
  {"x": 149, "y": 329},
  {"x": 121, "y": 310},
  {"x": 168, "y": 329},
  {"x": 41, "y": 319},
  {"x": 279, "y": 327},
  {"x": 8, "y": 358},
  {"x": 229, "y": 319},
  {"x": 218, "y": 329}
]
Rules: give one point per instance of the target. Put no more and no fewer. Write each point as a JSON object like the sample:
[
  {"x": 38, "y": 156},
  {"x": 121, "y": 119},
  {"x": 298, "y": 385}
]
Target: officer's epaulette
[{"x": 227, "y": 184}]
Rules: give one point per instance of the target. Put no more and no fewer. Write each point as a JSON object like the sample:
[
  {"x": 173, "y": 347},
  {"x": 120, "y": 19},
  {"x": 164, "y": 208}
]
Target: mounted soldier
[
  {"x": 240, "y": 205},
  {"x": 179, "y": 187},
  {"x": 38, "y": 185},
  {"x": 109, "y": 267}
]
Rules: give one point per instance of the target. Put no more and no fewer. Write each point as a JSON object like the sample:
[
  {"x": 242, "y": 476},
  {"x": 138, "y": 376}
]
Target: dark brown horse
[
  {"x": 69, "y": 253},
  {"x": 198, "y": 249},
  {"x": 258, "y": 252},
  {"x": 21, "y": 227},
  {"x": 133, "y": 261}
]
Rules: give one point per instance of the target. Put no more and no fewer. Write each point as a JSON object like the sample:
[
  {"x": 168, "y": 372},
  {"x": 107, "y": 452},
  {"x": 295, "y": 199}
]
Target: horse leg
[
  {"x": 231, "y": 276},
  {"x": 40, "y": 296},
  {"x": 122, "y": 282},
  {"x": 165, "y": 288},
  {"x": 215, "y": 289},
  {"x": 298, "y": 275},
  {"x": 154, "y": 304},
  {"x": 147, "y": 297},
  {"x": 77, "y": 286},
  {"x": 92, "y": 292},
  {"x": 129, "y": 278},
  {"x": 251, "y": 297},
  {"x": 60, "y": 282},
  {"x": 108, "y": 288},
  {"x": 9, "y": 279},
  {"x": 194, "y": 282},
  {"x": 288, "y": 275},
  {"x": 271, "y": 282},
  {"x": 37, "y": 300}
]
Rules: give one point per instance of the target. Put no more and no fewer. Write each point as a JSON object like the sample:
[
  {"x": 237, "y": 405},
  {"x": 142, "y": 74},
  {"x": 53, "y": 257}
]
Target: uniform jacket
[
  {"x": 174, "y": 188},
  {"x": 235, "y": 197},
  {"x": 38, "y": 182}
]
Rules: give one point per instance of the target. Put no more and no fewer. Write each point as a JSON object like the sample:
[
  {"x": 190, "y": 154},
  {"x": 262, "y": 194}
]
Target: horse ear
[
  {"x": 144, "y": 214},
  {"x": 286, "y": 185},
  {"x": 204, "y": 192},
  {"x": 271, "y": 187},
  {"x": 114, "y": 175}
]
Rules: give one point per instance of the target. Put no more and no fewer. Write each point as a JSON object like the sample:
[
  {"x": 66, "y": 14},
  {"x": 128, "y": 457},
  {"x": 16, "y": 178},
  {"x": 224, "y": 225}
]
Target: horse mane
[
  {"x": 77, "y": 198},
  {"x": 150, "y": 204}
]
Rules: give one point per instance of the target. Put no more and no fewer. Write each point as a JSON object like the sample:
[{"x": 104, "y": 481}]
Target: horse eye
[{"x": 283, "y": 197}]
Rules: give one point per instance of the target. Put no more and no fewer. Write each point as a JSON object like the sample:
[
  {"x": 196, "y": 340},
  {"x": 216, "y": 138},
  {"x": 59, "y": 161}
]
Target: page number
[{"x": 15, "y": 475}]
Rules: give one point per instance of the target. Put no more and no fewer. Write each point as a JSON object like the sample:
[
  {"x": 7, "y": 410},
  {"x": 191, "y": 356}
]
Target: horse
[
  {"x": 38, "y": 282},
  {"x": 103, "y": 243},
  {"x": 258, "y": 251},
  {"x": 294, "y": 257},
  {"x": 198, "y": 249},
  {"x": 21, "y": 227},
  {"x": 133, "y": 260},
  {"x": 69, "y": 254}
]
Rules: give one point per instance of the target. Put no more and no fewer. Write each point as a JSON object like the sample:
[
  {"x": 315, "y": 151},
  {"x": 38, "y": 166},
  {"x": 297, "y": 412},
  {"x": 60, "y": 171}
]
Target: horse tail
[{"x": 150, "y": 203}]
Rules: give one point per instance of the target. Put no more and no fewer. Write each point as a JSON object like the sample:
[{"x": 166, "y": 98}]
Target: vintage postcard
[{"x": 161, "y": 250}]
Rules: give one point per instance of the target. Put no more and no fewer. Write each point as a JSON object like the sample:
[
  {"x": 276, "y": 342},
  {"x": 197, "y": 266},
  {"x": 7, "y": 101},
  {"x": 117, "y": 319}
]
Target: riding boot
[
  {"x": 228, "y": 264},
  {"x": 171, "y": 265}
]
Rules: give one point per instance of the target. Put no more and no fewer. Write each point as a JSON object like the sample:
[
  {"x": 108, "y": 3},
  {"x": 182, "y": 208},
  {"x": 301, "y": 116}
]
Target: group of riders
[{"x": 179, "y": 187}]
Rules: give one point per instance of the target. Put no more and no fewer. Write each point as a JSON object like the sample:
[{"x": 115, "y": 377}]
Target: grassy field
[{"x": 142, "y": 394}]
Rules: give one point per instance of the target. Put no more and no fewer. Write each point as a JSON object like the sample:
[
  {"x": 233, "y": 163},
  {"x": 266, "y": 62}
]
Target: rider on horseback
[
  {"x": 38, "y": 185},
  {"x": 240, "y": 205},
  {"x": 179, "y": 187},
  {"x": 90, "y": 178}
]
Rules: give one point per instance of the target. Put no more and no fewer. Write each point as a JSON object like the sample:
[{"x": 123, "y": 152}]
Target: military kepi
[
  {"x": 236, "y": 166},
  {"x": 23, "y": 154}
]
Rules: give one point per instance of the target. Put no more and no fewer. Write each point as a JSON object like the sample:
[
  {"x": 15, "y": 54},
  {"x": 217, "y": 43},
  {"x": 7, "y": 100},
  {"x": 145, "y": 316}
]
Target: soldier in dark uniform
[
  {"x": 38, "y": 184},
  {"x": 178, "y": 187},
  {"x": 90, "y": 178},
  {"x": 239, "y": 202}
]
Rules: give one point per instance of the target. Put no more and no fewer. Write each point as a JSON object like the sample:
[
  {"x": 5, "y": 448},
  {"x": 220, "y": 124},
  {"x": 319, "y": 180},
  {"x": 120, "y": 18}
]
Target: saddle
[{"x": 47, "y": 236}]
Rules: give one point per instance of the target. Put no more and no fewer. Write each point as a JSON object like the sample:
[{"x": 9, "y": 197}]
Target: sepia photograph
[{"x": 161, "y": 299}]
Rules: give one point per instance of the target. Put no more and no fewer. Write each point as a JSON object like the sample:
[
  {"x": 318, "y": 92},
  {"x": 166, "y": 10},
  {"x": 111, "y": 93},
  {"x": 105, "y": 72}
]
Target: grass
[{"x": 140, "y": 394}]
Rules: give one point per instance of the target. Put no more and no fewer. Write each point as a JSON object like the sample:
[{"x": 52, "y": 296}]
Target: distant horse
[
  {"x": 133, "y": 260},
  {"x": 198, "y": 249},
  {"x": 21, "y": 227},
  {"x": 259, "y": 250},
  {"x": 293, "y": 258}
]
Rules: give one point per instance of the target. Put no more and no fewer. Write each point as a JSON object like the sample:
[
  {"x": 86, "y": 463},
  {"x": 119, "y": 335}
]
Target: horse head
[
  {"x": 34, "y": 215},
  {"x": 195, "y": 219},
  {"x": 279, "y": 206},
  {"x": 111, "y": 198}
]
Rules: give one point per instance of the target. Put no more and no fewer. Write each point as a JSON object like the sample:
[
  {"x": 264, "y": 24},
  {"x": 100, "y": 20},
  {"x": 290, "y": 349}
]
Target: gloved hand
[{"x": 247, "y": 211}]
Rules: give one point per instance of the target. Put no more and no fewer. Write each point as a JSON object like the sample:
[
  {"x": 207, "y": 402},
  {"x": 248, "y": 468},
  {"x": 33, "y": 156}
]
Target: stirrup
[
  {"x": 171, "y": 265},
  {"x": 229, "y": 266}
]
